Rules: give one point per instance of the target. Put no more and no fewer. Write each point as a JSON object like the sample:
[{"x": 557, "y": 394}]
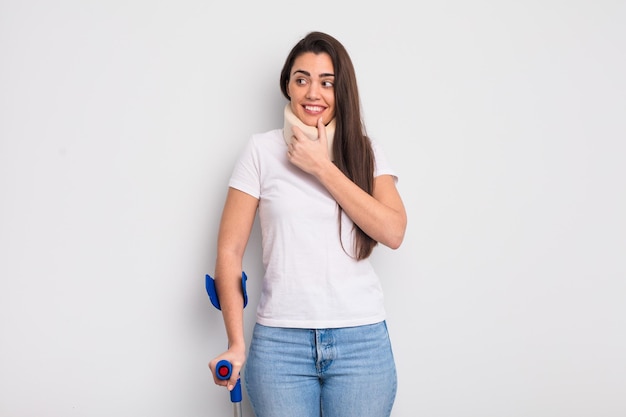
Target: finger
[
  {"x": 296, "y": 131},
  {"x": 212, "y": 369},
  {"x": 321, "y": 129}
]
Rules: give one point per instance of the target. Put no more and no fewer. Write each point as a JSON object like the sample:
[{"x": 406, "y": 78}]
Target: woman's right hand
[{"x": 236, "y": 359}]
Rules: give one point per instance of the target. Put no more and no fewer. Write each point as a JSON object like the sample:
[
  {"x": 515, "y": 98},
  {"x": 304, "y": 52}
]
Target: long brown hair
[{"x": 352, "y": 149}]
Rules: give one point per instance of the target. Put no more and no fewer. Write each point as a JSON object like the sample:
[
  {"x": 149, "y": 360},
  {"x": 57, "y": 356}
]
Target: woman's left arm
[{"x": 381, "y": 215}]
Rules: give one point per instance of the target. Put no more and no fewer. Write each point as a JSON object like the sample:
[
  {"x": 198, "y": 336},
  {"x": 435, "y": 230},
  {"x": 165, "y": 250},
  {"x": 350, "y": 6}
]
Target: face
[{"x": 312, "y": 88}]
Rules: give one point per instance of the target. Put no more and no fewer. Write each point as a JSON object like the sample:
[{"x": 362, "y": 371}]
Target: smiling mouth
[{"x": 314, "y": 109}]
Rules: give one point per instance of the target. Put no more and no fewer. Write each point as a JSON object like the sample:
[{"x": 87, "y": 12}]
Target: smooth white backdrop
[{"x": 120, "y": 122}]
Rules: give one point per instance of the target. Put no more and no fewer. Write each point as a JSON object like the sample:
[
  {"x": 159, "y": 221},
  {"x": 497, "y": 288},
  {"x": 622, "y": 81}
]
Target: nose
[{"x": 313, "y": 91}]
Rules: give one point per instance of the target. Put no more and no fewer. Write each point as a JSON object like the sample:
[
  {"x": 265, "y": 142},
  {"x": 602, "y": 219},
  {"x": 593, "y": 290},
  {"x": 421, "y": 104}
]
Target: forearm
[
  {"x": 230, "y": 293},
  {"x": 383, "y": 219}
]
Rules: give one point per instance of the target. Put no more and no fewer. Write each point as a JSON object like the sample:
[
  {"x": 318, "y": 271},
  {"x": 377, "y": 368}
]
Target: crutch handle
[{"x": 223, "y": 371}]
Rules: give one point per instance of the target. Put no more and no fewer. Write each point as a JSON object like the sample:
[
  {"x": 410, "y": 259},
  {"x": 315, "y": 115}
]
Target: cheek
[{"x": 330, "y": 99}]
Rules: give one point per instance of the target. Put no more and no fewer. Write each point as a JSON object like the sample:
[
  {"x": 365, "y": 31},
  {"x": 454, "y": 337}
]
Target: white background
[{"x": 120, "y": 122}]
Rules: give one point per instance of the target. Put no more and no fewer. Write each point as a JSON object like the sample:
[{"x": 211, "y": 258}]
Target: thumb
[{"x": 231, "y": 383}]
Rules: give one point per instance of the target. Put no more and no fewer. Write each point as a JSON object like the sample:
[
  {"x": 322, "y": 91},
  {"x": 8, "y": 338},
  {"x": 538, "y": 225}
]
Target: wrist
[
  {"x": 237, "y": 346},
  {"x": 324, "y": 170}
]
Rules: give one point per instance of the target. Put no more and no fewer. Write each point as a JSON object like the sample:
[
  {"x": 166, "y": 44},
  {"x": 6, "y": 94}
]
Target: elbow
[
  {"x": 395, "y": 236},
  {"x": 395, "y": 242}
]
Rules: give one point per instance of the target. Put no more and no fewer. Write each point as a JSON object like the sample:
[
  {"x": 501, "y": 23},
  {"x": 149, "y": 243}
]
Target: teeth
[{"x": 314, "y": 108}]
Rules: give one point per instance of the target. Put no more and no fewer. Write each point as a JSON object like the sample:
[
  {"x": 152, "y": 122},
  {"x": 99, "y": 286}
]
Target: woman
[{"x": 326, "y": 196}]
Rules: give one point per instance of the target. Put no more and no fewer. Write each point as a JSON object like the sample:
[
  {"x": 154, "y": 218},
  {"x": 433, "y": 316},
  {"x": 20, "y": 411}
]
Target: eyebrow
[{"x": 308, "y": 74}]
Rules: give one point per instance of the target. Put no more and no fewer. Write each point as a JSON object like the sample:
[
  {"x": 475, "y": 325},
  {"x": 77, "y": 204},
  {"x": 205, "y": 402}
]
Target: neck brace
[{"x": 310, "y": 131}]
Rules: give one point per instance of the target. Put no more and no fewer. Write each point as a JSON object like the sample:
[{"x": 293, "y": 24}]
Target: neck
[{"x": 310, "y": 131}]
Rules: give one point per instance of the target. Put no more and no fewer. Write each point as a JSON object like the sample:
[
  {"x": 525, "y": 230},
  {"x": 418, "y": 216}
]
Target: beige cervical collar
[{"x": 310, "y": 131}]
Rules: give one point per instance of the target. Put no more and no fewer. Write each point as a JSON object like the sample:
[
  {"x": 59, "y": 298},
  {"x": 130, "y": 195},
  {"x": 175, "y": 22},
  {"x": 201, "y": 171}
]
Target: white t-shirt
[{"x": 309, "y": 281}]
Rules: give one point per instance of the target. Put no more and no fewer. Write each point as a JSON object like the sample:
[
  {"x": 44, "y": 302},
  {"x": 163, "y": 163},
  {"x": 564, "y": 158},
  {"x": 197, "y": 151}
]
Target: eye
[
  {"x": 300, "y": 81},
  {"x": 328, "y": 84}
]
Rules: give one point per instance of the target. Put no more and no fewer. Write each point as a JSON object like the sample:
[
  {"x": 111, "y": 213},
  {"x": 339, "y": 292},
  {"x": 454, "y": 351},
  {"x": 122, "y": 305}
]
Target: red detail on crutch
[{"x": 223, "y": 371}]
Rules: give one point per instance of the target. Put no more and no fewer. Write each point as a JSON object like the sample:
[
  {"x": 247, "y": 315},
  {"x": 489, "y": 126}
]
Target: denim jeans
[{"x": 345, "y": 372}]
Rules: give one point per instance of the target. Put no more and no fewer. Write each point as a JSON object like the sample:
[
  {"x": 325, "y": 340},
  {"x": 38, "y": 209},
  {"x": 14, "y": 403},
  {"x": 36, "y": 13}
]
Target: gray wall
[{"x": 120, "y": 122}]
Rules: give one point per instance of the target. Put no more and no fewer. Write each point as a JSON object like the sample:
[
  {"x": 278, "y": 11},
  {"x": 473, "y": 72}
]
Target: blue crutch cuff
[{"x": 210, "y": 289}]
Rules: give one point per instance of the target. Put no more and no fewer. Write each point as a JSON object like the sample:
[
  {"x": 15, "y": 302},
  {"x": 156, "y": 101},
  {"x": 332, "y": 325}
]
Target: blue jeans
[{"x": 345, "y": 372}]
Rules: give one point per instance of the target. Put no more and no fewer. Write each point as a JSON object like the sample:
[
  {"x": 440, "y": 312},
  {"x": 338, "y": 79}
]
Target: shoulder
[
  {"x": 262, "y": 143},
  {"x": 271, "y": 136},
  {"x": 265, "y": 143}
]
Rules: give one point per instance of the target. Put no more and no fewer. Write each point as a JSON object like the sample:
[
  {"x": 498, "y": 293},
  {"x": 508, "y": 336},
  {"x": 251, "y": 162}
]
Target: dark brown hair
[{"x": 352, "y": 149}]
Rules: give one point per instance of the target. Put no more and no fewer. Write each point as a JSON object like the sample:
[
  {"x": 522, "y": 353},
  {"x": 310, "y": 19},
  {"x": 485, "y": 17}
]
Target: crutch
[{"x": 224, "y": 369}]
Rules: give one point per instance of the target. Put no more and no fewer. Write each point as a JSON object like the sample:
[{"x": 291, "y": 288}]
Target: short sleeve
[
  {"x": 382, "y": 166},
  {"x": 246, "y": 175}
]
